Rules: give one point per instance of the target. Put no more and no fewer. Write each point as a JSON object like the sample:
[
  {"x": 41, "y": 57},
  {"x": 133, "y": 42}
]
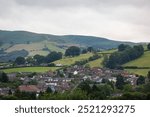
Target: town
[
  {"x": 110, "y": 79},
  {"x": 66, "y": 79}
]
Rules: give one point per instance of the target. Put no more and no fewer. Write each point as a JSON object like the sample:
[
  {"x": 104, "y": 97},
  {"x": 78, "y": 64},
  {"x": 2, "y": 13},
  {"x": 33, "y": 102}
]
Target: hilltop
[
  {"x": 23, "y": 37},
  {"x": 36, "y": 43}
]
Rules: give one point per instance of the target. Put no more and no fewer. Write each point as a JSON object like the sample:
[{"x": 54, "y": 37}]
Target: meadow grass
[
  {"x": 30, "y": 69},
  {"x": 143, "y": 72},
  {"x": 72, "y": 60},
  {"x": 143, "y": 61},
  {"x": 96, "y": 63}
]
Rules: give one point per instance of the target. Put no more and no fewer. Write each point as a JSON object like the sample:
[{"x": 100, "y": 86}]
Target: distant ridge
[{"x": 20, "y": 37}]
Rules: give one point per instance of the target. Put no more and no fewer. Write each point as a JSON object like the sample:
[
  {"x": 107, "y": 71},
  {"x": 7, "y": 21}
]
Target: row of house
[{"x": 68, "y": 82}]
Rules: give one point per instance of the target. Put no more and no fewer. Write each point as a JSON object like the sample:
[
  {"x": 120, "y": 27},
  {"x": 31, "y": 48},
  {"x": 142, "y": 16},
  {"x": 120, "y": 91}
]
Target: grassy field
[
  {"x": 36, "y": 48},
  {"x": 96, "y": 63},
  {"x": 143, "y": 61},
  {"x": 72, "y": 60},
  {"x": 30, "y": 69},
  {"x": 65, "y": 61},
  {"x": 54, "y": 47},
  {"x": 138, "y": 71},
  {"x": 108, "y": 51}
]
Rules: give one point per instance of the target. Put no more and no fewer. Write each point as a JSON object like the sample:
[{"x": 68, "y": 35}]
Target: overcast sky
[{"x": 123, "y": 20}]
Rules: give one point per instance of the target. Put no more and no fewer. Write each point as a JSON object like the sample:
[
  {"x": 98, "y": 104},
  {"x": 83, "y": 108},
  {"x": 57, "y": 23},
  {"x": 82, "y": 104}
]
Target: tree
[
  {"x": 122, "y": 47},
  {"x": 128, "y": 88},
  {"x": 10, "y": 92},
  {"x": 72, "y": 51},
  {"x": 3, "y": 77},
  {"x": 116, "y": 59},
  {"x": 53, "y": 56},
  {"x": 30, "y": 60},
  {"x": 100, "y": 91},
  {"x": 148, "y": 46},
  {"x": 39, "y": 59},
  {"x": 148, "y": 76},
  {"x": 49, "y": 90},
  {"x": 120, "y": 82},
  {"x": 90, "y": 49},
  {"x": 84, "y": 51},
  {"x": 20, "y": 60},
  {"x": 85, "y": 86},
  {"x": 140, "y": 80}
]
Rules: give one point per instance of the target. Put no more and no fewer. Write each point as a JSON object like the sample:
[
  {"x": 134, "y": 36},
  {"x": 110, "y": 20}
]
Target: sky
[{"x": 122, "y": 20}]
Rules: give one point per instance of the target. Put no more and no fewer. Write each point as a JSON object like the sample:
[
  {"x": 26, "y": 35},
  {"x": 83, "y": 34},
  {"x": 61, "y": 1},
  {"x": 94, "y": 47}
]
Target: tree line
[
  {"x": 124, "y": 54},
  {"x": 53, "y": 56}
]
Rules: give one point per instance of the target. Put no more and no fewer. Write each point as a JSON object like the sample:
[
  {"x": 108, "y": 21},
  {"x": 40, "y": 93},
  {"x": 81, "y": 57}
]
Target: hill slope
[
  {"x": 22, "y": 37},
  {"x": 35, "y": 43},
  {"x": 143, "y": 61}
]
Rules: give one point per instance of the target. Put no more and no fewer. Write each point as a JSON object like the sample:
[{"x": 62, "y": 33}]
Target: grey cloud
[
  {"x": 117, "y": 19},
  {"x": 63, "y": 3},
  {"x": 5, "y": 7}
]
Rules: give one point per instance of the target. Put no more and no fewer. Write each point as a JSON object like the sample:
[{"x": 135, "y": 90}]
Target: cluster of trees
[
  {"x": 139, "y": 92},
  {"x": 96, "y": 91},
  {"x": 121, "y": 83},
  {"x": 124, "y": 54},
  {"x": 3, "y": 77},
  {"x": 92, "y": 58},
  {"x": 20, "y": 60},
  {"x": 92, "y": 91},
  {"x": 75, "y": 51},
  {"x": 53, "y": 56},
  {"x": 85, "y": 91},
  {"x": 148, "y": 46},
  {"x": 89, "y": 49},
  {"x": 39, "y": 59}
]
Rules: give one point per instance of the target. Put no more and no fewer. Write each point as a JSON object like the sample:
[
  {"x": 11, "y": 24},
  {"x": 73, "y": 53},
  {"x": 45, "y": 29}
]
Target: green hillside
[
  {"x": 36, "y": 48},
  {"x": 138, "y": 71},
  {"x": 143, "y": 61},
  {"x": 96, "y": 63},
  {"x": 23, "y": 37},
  {"x": 36, "y": 43},
  {"x": 30, "y": 69},
  {"x": 72, "y": 60}
]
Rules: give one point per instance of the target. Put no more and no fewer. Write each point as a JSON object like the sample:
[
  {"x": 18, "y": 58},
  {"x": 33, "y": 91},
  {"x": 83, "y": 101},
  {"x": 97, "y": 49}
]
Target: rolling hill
[
  {"x": 24, "y": 37},
  {"x": 35, "y": 43}
]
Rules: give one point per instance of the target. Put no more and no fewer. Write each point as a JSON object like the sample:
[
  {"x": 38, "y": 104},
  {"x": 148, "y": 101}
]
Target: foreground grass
[{"x": 30, "y": 69}]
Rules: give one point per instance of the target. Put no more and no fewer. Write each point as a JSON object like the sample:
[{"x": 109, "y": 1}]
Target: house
[
  {"x": 4, "y": 91},
  {"x": 12, "y": 76},
  {"x": 59, "y": 65},
  {"x": 29, "y": 88}
]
